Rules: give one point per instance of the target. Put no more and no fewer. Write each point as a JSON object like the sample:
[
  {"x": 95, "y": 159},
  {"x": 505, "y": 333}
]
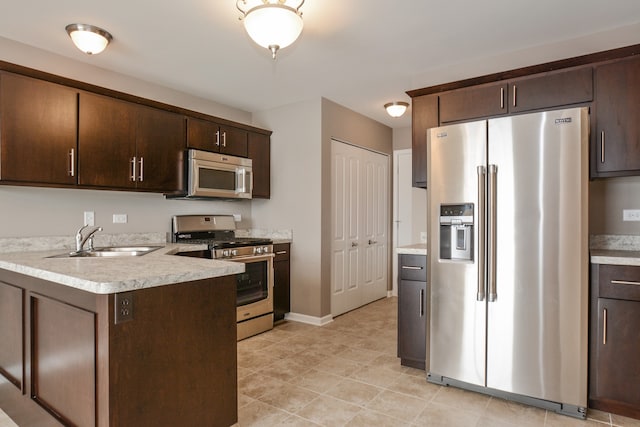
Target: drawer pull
[
  {"x": 281, "y": 253},
  {"x": 411, "y": 267},
  {"x": 624, "y": 282},
  {"x": 604, "y": 326}
]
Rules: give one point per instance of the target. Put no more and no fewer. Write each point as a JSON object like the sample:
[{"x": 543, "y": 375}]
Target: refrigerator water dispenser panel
[{"x": 456, "y": 232}]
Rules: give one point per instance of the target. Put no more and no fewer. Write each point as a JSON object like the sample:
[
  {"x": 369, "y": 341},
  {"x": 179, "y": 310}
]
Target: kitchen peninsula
[{"x": 146, "y": 340}]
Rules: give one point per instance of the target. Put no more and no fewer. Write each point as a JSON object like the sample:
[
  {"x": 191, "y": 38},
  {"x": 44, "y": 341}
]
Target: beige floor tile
[
  {"x": 296, "y": 421},
  {"x": 558, "y": 420},
  {"x": 414, "y": 386},
  {"x": 338, "y": 366},
  {"x": 354, "y": 392},
  {"x": 375, "y": 375},
  {"x": 619, "y": 420},
  {"x": 258, "y": 414},
  {"x": 368, "y": 418},
  {"x": 435, "y": 415},
  {"x": 462, "y": 399},
  {"x": 257, "y": 385},
  {"x": 285, "y": 370},
  {"x": 255, "y": 359},
  {"x": 288, "y": 397},
  {"x": 358, "y": 355},
  {"x": 514, "y": 413},
  {"x": 317, "y": 381},
  {"x": 328, "y": 411},
  {"x": 244, "y": 400},
  {"x": 603, "y": 417},
  {"x": 397, "y": 405}
]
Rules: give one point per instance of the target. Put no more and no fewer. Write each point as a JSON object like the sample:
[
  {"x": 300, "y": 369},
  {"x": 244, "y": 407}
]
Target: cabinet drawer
[
  {"x": 281, "y": 250},
  {"x": 413, "y": 267},
  {"x": 619, "y": 282}
]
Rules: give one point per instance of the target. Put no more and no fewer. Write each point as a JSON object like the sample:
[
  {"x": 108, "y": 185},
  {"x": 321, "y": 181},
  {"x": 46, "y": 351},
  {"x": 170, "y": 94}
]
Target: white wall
[
  {"x": 402, "y": 140},
  {"x": 26, "y": 211}
]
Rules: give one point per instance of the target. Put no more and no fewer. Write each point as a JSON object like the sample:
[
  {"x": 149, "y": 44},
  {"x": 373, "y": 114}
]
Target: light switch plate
[
  {"x": 119, "y": 218},
  {"x": 89, "y": 218},
  {"x": 631, "y": 214}
]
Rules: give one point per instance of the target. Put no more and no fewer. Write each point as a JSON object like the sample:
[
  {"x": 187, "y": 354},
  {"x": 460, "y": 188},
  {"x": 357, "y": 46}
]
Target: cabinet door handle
[
  {"x": 501, "y": 98},
  {"x": 411, "y": 267},
  {"x": 515, "y": 95},
  {"x": 217, "y": 138},
  {"x": 421, "y": 302},
  {"x": 602, "y": 146},
  {"x": 625, "y": 282},
  {"x": 72, "y": 162},
  {"x": 141, "y": 174},
  {"x": 133, "y": 169},
  {"x": 604, "y": 326},
  {"x": 224, "y": 139}
]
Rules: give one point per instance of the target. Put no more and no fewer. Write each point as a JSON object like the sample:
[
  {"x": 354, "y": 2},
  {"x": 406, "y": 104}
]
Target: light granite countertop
[
  {"x": 615, "y": 257},
  {"x": 615, "y": 249},
  {"x": 106, "y": 275},
  {"x": 415, "y": 249}
]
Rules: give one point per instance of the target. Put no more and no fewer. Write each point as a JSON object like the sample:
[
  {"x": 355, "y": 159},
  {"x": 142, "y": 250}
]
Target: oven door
[{"x": 255, "y": 287}]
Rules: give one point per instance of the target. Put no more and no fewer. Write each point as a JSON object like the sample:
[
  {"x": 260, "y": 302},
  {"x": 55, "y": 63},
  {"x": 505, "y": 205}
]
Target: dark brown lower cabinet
[
  {"x": 281, "y": 280},
  {"x": 174, "y": 363},
  {"x": 412, "y": 310},
  {"x": 615, "y": 340}
]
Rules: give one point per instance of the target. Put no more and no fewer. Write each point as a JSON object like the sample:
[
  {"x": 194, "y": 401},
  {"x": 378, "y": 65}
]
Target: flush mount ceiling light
[
  {"x": 88, "y": 38},
  {"x": 272, "y": 24},
  {"x": 396, "y": 109}
]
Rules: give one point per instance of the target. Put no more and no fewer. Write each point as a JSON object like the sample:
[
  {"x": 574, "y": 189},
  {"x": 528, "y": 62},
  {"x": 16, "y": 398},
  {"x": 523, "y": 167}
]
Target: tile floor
[{"x": 347, "y": 374}]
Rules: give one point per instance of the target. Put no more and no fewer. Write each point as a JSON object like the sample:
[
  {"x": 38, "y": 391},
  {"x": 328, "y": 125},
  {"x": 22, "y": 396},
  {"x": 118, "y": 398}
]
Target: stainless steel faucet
[{"x": 81, "y": 240}]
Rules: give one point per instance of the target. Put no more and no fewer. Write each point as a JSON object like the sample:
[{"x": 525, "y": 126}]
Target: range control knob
[
  {"x": 257, "y": 250},
  {"x": 265, "y": 250},
  {"x": 234, "y": 252},
  {"x": 225, "y": 253}
]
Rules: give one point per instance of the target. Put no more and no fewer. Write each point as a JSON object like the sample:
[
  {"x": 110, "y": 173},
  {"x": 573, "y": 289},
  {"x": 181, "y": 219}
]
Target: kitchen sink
[{"x": 110, "y": 251}]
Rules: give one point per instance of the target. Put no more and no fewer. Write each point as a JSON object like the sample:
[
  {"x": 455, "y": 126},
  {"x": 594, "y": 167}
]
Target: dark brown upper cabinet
[
  {"x": 129, "y": 146},
  {"x": 260, "y": 155},
  {"x": 549, "y": 90},
  {"x": 474, "y": 102},
  {"x": 536, "y": 92},
  {"x": 424, "y": 116},
  {"x": 617, "y": 119},
  {"x": 211, "y": 136},
  {"x": 38, "y": 123}
]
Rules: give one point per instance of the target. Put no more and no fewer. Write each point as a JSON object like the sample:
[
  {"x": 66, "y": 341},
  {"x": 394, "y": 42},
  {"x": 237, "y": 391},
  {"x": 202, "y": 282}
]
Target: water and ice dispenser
[{"x": 456, "y": 232}]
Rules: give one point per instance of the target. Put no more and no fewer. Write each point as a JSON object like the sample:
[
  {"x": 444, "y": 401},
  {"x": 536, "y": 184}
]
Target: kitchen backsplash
[
  {"x": 271, "y": 234},
  {"x": 28, "y": 244},
  {"x": 615, "y": 242}
]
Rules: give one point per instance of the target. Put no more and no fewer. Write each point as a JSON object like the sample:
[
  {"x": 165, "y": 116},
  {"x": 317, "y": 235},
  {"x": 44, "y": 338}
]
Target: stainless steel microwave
[{"x": 218, "y": 175}]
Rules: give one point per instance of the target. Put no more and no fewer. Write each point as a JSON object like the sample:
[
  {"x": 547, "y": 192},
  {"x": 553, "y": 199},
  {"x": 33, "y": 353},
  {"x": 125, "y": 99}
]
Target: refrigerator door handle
[
  {"x": 482, "y": 174},
  {"x": 493, "y": 292}
]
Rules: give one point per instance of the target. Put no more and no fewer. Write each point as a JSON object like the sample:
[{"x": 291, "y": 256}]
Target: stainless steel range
[{"x": 255, "y": 285}]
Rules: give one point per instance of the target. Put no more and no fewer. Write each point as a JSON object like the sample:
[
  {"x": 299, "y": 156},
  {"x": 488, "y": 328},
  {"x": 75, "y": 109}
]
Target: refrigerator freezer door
[
  {"x": 457, "y": 319},
  {"x": 537, "y": 326}
]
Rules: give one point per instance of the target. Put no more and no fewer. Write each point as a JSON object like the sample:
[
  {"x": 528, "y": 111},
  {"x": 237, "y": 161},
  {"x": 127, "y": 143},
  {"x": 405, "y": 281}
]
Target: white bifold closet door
[{"x": 359, "y": 226}]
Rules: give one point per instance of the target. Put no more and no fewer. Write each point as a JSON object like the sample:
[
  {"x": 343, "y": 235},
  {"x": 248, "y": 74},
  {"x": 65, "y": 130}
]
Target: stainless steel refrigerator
[{"x": 508, "y": 257}]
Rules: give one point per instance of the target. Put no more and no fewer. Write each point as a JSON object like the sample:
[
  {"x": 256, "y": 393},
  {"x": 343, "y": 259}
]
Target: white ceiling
[{"x": 358, "y": 53}]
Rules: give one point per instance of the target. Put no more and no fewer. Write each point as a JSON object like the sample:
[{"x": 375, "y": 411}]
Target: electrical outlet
[
  {"x": 123, "y": 305},
  {"x": 631, "y": 214},
  {"x": 119, "y": 218},
  {"x": 89, "y": 218},
  {"x": 423, "y": 237},
  {"x": 237, "y": 217}
]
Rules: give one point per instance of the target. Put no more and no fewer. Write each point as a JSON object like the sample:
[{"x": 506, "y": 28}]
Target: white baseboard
[{"x": 310, "y": 320}]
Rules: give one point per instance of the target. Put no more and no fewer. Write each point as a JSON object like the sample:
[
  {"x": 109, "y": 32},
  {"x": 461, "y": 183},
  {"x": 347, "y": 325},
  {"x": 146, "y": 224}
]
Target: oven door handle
[{"x": 250, "y": 258}]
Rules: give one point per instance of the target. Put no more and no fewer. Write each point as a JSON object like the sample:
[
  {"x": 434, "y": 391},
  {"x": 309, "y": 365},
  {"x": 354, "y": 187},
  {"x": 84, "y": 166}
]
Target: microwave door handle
[{"x": 242, "y": 184}]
